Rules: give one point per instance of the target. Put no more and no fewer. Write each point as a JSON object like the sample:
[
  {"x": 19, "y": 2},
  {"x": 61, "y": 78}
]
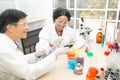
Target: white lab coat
[
  {"x": 48, "y": 34},
  {"x": 15, "y": 66}
]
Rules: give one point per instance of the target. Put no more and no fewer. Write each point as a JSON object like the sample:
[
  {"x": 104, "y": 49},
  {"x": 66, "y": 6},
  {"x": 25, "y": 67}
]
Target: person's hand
[
  {"x": 62, "y": 50},
  {"x": 41, "y": 52},
  {"x": 57, "y": 41}
]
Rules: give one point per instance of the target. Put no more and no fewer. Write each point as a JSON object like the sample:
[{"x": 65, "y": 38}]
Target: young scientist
[
  {"x": 59, "y": 33},
  {"x": 13, "y": 64}
]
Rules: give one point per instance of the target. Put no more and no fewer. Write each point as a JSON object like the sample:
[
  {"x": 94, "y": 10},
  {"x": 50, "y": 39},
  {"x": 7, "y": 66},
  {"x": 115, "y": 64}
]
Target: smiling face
[
  {"x": 61, "y": 22},
  {"x": 17, "y": 30}
]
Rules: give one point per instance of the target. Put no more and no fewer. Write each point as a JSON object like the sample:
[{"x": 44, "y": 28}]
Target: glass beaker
[{"x": 92, "y": 72}]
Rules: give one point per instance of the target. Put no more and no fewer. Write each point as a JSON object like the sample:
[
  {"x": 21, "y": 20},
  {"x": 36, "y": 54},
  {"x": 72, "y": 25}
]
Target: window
[{"x": 93, "y": 10}]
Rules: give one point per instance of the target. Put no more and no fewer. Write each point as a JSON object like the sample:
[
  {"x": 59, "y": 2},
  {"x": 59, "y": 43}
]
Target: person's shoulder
[
  {"x": 3, "y": 42},
  {"x": 1, "y": 35}
]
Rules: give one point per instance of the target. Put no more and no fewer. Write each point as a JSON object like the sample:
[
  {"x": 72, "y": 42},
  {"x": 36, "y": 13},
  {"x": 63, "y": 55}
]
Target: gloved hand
[
  {"x": 56, "y": 42},
  {"x": 41, "y": 52},
  {"x": 62, "y": 50}
]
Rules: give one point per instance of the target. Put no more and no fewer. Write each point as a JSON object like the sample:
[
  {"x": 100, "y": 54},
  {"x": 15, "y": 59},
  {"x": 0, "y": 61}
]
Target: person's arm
[
  {"x": 14, "y": 63},
  {"x": 31, "y": 58},
  {"x": 46, "y": 64},
  {"x": 43, "y": 66},
  {"x": 48, "y": 39},
  {"x": 43, "y": 44},
  {"x": 44, "y": 40}
]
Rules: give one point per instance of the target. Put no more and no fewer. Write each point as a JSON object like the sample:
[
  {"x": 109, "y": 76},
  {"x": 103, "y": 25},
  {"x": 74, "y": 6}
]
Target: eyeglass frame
[
  {"x": 23, "y": 24},
  {"x": 61, "y": 23}
]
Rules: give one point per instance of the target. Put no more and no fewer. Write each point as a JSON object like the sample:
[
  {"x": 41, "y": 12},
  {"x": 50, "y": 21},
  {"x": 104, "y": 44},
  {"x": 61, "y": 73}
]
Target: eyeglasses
[
  {"x": 23, "y": 24},
  {"x": 61, "y": 23}
]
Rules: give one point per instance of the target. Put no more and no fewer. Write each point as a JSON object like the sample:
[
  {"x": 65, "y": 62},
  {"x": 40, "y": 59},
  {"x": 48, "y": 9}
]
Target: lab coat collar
[{"x": 10, "y": 41}]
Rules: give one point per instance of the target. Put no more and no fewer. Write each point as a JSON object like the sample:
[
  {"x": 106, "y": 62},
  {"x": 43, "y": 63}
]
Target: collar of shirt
[{"x": 10, "y": 42}]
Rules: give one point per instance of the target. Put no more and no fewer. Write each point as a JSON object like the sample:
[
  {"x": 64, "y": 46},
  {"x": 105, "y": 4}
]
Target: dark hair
[
  {"x": 61, "y": 12},
  {"x": 10, "y": 16}
]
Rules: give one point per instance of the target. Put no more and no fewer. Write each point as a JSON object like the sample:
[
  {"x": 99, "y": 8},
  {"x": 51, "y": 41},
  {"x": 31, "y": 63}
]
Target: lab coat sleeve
[
  {"x": 15, "y": 64},
  {"x": 30, "y": 58},
  {"x": 43, "y": 40},
  {"x": 43, "y": 44},
  {"x": 43, "y": 66}
]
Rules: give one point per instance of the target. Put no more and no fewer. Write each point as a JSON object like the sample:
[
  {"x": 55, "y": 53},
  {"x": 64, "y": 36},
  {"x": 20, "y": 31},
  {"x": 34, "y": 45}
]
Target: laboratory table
[{"x": 61, "y": 72}]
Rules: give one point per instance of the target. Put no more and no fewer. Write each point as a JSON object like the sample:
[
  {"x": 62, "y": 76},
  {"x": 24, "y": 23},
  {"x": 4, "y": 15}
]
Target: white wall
[{"x": 36, "y": 8}]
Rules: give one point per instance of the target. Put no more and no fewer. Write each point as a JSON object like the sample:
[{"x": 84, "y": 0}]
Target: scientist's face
[
  {"x": 18, "y": 30},
  {"x": 61, "y": 22}
]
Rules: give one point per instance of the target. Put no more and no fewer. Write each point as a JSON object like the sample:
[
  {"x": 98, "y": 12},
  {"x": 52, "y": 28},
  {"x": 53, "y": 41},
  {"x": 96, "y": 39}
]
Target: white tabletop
[{"x": 61, "y": 72}]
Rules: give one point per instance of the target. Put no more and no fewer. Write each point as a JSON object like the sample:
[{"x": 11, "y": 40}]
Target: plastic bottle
[{"x": 99, "y": 36}]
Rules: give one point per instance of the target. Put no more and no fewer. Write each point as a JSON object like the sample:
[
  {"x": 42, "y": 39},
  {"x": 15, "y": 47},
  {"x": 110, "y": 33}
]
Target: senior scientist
[
  {"x": 59, "y": 33},
  {"x": 14, "y": 65}
]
